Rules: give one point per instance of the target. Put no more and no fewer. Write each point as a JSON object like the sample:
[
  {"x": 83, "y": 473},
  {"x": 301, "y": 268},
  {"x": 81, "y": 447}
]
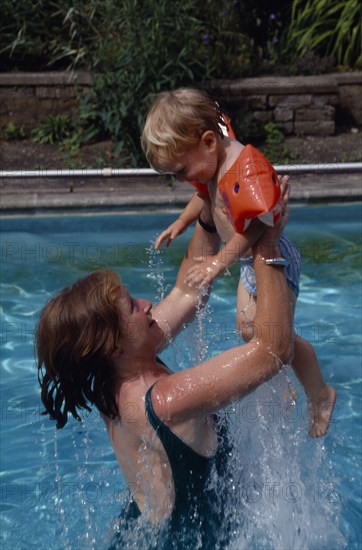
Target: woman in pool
[{"x": 98, "y": 345}]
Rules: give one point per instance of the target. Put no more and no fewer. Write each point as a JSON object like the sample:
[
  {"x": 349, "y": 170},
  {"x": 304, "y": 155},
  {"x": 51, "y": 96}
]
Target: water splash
[
  {"x": 156, "y": 271},
  {"x": 274, "y": 497},
  {"x": 196, "y": 335},
  {"x": 58, "y": 502},
  {"x": 86, "y": 505},
  {"x": 281, "y": 492},
  {"x": 278, "y": 494}
]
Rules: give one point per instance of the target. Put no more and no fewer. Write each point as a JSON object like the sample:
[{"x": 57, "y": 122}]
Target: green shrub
[
  {"x": 54, "y": 129},
  {"x": 29, "y": 32},
  {"x": 136, "y": 48},
  {"x": 146, "y": 62},
  {"x": 327, "y": 28},
  {"x": 161, "y": 45},
  {"x": 55, "y": 33},
  {"x": 14, "y": 132},
  {"x": 275, "y": 148},
  {"x": 248, "y": 129},
  {"x": 237, "y": 35}
]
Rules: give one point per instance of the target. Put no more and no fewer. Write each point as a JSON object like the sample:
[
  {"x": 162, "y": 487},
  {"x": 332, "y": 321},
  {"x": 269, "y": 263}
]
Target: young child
[{"x": 183, "y": 136}]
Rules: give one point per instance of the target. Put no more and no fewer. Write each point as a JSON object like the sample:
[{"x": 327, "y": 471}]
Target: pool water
[{"x": 63, "y": 489}]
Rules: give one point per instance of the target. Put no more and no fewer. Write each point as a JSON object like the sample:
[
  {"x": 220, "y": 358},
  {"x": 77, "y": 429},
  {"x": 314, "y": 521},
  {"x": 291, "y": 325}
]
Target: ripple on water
[{"x": 65, "y": 489}]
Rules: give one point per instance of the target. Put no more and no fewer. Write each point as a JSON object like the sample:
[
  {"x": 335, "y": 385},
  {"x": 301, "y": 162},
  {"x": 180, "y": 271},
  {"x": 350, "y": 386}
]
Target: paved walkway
[{"x": 151, "y": 192}]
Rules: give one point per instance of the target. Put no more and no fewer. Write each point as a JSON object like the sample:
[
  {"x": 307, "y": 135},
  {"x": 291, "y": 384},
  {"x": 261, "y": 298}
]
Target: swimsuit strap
[{"x": 169, "y": 439}]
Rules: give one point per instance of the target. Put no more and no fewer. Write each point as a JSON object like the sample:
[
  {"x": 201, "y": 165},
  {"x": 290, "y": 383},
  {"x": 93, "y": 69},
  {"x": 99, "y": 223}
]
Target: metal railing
[{"x": 131, "y": 172}]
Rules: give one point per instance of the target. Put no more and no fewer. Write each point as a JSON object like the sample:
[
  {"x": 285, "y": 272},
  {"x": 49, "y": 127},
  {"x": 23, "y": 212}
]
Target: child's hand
[
  {"x": 205, "y": 272},
  {"x": 174, "y": 230}
]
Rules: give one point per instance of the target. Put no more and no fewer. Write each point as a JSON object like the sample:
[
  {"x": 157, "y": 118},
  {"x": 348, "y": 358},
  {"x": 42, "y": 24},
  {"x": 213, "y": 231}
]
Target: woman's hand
[
  {"x": 283, "y": 205},
  {"x": 270, "y": 239},
  {"x": 284, "y": 191}
]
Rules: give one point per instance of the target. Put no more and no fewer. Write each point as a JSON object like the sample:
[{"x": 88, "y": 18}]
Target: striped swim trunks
[{"x": 292, "y": 271}]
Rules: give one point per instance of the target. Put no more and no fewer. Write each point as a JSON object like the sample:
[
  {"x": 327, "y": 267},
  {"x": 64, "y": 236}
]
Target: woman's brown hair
[{"x": 77, "y": 333}]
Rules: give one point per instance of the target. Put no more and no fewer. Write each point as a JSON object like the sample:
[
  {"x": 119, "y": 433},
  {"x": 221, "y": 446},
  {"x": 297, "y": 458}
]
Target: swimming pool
[{"x": 62, "y": 490}]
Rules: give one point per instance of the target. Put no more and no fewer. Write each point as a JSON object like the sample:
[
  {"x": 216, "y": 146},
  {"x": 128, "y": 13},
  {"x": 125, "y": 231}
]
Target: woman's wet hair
[
  {"x": 77, "y": 333},
  {"x": 176, "y": 121}
]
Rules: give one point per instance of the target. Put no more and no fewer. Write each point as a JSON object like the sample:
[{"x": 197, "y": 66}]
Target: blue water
[{"x": 63, "y": 490}]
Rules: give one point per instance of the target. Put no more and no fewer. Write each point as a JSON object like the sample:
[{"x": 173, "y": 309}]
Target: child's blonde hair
[{"x": 176, "y": 121}]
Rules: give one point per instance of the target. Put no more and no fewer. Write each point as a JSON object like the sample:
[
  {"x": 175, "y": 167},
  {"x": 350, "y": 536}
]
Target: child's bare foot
[{"x": 321, "y": 412}]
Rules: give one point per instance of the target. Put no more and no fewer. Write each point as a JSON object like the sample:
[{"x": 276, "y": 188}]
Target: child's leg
[{"x": 321, "y": 397}]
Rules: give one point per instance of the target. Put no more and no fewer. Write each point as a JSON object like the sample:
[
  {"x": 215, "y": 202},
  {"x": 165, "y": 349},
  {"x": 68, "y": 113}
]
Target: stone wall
[
  {"x": 307, "y": 105},
  {"x": 27, "y": 98}
]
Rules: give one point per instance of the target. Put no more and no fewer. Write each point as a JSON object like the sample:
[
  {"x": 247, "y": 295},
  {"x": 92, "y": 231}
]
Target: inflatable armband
[
  {"x": 250, "y": 188},
  {"x": 201, "y": 187}
]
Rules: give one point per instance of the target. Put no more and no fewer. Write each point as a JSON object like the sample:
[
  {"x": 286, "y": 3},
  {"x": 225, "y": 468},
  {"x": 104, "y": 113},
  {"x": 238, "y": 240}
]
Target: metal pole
[
  {"x": 132, "y": 172},
  {"x": 102, "y": 172}
]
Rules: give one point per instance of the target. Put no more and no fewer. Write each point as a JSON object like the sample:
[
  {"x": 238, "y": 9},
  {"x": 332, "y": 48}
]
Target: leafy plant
[
  {"x": 248, "y": 129},
  {"x": 275, "y": 148},
  {"x": 54, "y": 129},
  {"x": 147, "y": 62},
  {"x": 14, "y": 132},
  {"x": 327, "y": 27},
  {"x": 56, "y": 33},
  {"x": 69, "y": 33},
  {"x": 137, "y": 48}
]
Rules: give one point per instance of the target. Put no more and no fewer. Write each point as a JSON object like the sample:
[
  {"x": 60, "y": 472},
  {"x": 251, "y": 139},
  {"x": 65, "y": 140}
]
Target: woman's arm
[
  {"x": 181, "y": 304},
  {"x": 209, "y": 386}
]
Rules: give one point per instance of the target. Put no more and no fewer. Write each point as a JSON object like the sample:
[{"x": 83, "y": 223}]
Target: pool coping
[{"x": 31, "y": 195}]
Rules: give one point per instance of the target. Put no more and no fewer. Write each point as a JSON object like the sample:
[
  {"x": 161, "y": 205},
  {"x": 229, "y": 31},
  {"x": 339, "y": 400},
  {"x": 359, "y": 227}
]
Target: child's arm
[
  {"x": 211, "y": 267},
  {"x": 186, "y": 218}
]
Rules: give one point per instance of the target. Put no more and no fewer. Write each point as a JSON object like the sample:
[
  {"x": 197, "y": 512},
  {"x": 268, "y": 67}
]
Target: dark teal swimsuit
[
  {"x": 197, "y": 517},
  {"x": 189, "y": 469}
]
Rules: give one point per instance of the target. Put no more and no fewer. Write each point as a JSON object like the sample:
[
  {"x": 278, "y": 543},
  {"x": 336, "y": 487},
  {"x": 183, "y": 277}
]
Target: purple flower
[
  {"x": 272, "y": 16},
  {"x": 206, "y": 39}
]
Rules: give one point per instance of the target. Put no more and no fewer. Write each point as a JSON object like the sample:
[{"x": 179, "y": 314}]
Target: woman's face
[{"x": 139, "y": 329}]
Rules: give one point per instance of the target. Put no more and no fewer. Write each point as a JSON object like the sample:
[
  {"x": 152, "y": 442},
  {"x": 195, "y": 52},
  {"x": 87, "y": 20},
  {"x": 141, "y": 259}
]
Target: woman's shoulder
[{"x": 131, "y": 401}]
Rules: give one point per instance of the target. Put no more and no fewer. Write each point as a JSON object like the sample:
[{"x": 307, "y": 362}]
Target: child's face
[{"x": 199, "y": 163}]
